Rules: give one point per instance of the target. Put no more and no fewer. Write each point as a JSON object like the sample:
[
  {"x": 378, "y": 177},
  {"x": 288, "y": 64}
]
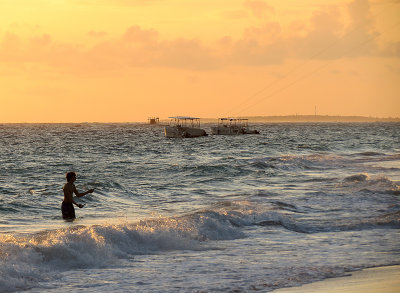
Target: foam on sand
[{"x": 381, "y": 279}]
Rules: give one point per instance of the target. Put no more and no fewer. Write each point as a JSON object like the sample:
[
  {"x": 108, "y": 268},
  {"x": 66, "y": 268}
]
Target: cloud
[
  {"x": 252, "y": 53},
  {"x": 359, "y": 11},
  {"x": 10, "y": 46},
  {"x": 325, "y": 37},
  {"x": 392, "y": 49},
  {"x": 258, "y": 8},
  {"x": 259, "y": 46},
  {"x": 326, "y": 20},
  {"x": 267, "y": 33},
  {"x": 145, "y": 47},
  {"x": 328, "y": 38},
  {"x": 361, "y": 35},
  {"x": 41, "y": 50},
  {"x": 189, "y": 54},
  {"x": 139, "y": 35}
]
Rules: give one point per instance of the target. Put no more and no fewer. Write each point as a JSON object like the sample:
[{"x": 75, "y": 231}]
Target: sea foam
[{"x": 28, "y": 260}]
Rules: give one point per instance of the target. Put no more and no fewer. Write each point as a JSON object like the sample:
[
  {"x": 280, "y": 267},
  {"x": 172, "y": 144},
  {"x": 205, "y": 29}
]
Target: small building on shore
[{"x": 153, "y": 120}]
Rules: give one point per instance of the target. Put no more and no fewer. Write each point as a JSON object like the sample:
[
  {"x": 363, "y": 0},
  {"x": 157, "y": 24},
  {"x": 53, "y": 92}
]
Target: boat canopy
[
  {"x": 233, "y": 119},
  {"x": 184, "y": 118},
  {"x": 185, "y": 121}
]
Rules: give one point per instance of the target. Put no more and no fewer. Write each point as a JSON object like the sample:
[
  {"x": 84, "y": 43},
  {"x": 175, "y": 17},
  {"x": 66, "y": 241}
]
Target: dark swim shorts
[{"x": 68, "y": 211}]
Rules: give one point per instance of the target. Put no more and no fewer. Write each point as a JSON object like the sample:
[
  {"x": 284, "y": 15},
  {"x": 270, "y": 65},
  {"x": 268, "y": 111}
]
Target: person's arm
[
  {"x": 79, "y": 194},
  {"x": 79, "y": 205}
]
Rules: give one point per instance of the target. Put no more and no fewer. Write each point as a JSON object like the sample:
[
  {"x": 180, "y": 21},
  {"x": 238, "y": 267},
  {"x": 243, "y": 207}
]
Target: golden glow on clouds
[{"x": 125, "y": 60}]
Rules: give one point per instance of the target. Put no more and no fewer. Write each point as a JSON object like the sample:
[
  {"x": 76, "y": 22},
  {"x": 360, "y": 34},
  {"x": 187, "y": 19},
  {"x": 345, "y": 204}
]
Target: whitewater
[{"x": 295, "y": 204}]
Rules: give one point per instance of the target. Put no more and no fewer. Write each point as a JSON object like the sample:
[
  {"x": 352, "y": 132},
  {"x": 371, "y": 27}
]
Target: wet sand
[{"x": 374, "y": 280}]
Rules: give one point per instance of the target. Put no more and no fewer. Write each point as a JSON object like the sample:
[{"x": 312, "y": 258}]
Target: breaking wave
[
  {"x": 374, "y": 184},
  {"x": 27, "y": 260},
  {"x": 290, "y": 162}
]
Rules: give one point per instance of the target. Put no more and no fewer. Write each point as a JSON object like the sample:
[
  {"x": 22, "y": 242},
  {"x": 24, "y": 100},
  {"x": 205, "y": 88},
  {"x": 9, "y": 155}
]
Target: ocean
[{"x": 295, "y": 204}]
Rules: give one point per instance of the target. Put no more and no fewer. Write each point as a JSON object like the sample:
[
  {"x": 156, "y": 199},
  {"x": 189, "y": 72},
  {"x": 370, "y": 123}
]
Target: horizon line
[{"x": 258, "y": 117}]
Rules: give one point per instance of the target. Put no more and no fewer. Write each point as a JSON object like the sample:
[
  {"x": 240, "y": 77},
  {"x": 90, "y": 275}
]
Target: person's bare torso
[{"x": 69, "y": 189}]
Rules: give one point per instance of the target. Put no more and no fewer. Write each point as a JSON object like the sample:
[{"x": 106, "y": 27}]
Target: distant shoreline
[{"x": 312, "y": 118}]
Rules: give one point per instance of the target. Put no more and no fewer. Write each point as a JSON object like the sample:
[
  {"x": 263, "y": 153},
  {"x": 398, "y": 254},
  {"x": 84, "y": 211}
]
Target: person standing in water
[{"x": 67, "y": 208}]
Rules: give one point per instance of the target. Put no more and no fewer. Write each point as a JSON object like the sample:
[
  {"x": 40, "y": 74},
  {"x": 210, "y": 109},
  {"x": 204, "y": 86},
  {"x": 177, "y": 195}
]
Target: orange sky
[{"x": 126, "y": 60}]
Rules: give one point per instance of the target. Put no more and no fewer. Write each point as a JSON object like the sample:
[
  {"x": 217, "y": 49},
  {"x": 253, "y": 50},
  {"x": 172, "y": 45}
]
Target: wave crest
[
  {"x": 357, "y": 178},
  {"x": 367, "y": 183},
  {"x": 27, "y": 260}
]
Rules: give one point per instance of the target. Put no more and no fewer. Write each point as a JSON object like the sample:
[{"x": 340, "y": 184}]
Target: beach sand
[{"x": 374, "y": 280}]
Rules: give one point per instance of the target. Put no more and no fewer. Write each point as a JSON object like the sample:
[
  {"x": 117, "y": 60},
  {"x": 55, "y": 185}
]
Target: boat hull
[
  {"x": 183, "y": 132},
  {"x": 226, "y": 130}
]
